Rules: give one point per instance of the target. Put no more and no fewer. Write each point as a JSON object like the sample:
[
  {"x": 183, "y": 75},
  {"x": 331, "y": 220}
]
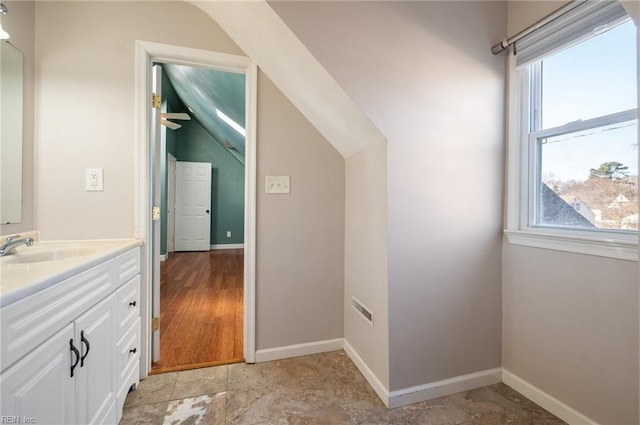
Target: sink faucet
[{"x": 12, "y": 243}]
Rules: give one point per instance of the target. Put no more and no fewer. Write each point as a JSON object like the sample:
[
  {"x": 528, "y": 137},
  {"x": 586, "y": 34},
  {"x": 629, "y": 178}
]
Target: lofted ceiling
[{"x": 216, "y": 100}]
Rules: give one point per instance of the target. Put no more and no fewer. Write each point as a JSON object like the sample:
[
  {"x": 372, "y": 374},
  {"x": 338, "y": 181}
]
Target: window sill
[{"x": 610, "y": 248}]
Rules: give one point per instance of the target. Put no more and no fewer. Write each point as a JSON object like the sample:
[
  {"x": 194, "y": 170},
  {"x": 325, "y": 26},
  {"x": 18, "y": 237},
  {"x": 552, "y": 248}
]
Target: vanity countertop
[{"x": 21, "y": 276}]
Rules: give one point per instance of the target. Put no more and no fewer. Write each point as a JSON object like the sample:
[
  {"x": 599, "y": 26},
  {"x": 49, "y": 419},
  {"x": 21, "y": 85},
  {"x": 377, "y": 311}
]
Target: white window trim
[{"x": 622, "y": 245}]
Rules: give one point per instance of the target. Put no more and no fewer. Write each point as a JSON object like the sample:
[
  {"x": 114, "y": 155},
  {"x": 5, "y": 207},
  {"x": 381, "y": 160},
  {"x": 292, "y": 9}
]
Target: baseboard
[
  {"x": 445, "y": 387},
  {"x": 163, "y": 257},
  {"x": 298, "y": 350},
  {"x": 548, "y": 402},
  {"x": 368, "y": 374},
  {"x": 227, "y": 246},
  {"x": 424, "y": 392}
]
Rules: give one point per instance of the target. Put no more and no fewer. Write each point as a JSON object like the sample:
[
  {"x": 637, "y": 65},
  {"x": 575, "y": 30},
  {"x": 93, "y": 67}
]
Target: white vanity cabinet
[{"x": 71, "y": 352}]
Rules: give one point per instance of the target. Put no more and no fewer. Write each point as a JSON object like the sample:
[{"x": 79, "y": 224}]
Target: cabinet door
[
  {"x": 39, "y": 387},
  {"x": 95, "y": 331}
]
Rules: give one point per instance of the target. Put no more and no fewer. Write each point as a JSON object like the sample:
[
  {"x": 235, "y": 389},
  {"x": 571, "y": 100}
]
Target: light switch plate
[
  {"x": 278, "y": 184},
  {"x": 94, "y": 180}
]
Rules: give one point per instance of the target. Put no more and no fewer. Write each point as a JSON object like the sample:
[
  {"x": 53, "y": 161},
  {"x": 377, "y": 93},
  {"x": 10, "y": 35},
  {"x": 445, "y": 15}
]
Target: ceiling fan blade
[
  {"x": 169, "y": 124},
  {"x": 176, "y": 116}
]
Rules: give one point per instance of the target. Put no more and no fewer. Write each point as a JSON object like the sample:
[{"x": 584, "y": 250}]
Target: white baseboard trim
[
  {"x": 445, "y": 387},
  {"x": 298, "y": 350},
  {"x": 227, "y": 246},
  {"x": 424, "y": 392},
  {"x": 163, "y": 257},
  {"x": 368, "y": 374},
  {"x": 547, "y": 401}
]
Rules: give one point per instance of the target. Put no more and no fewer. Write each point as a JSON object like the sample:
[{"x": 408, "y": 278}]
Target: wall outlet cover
[
  {"x": 94, "y": 180},
  {"x": 278, "y": 184}
]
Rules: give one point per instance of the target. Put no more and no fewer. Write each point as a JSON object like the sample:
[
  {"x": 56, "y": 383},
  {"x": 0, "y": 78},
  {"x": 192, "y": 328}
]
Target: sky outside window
[{"x": 594, "y": 78}]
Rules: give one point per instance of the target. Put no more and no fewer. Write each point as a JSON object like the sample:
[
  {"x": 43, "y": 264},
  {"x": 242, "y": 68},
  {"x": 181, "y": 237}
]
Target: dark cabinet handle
[
  {"x": 86, "y": 343},
  {"x": 75, "y": 351},
  {"x": 132, "y": 304},
  {"x": 133, "y": 351},
  {"x": 207, "y": 211}
]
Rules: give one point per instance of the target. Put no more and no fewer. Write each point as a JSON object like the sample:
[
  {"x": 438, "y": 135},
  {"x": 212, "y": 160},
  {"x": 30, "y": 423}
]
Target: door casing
[{"x": 146, "y": 54}]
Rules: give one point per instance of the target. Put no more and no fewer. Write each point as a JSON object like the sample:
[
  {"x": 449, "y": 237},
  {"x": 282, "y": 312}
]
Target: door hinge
[
  {"x": 155, "y": 214},
  {"x": 155, "y": 324},
  {"x": 156, "y": 101}
]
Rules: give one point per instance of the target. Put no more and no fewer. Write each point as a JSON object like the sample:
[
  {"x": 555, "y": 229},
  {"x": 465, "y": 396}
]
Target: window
[{"x": 576, "y": 170}]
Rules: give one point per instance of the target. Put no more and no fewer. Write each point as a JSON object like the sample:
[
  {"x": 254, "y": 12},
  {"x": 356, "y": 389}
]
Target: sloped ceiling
[
  {"x": 216, "y": 100},
  {"x": 267, "y": 40}
]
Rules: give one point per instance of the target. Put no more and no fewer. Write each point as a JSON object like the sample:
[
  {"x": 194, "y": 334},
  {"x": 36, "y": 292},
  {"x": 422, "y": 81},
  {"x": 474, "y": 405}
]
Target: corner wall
[
  {"x": 366, "y": 266},
  {"x": 437, "y": 94}
]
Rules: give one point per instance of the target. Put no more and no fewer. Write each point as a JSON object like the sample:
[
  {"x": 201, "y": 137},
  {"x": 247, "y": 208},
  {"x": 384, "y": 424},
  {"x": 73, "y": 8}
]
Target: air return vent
[{"x": 363, "y": 310}]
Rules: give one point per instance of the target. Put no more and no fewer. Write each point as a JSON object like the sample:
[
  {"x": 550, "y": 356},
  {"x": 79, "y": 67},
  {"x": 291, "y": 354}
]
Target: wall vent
[{"x": 363, "y": 310}]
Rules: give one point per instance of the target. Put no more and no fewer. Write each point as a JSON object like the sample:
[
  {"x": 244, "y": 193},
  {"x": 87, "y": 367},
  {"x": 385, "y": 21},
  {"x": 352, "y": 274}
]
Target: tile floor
[{"x": 322, "y": 389}]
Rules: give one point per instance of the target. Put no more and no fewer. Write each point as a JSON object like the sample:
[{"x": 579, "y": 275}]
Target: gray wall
[
  {"x": 570, "y": 326},
  {"x": 19, "y": 23},
  {"x": 423, "y": 73},
  {"x": 300, "y": 258},
  {"x": 570, "y": 321},
  {"x": 366, "y": 261}
]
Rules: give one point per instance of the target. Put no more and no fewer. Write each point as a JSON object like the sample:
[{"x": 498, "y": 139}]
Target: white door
[
  {"x": 156, "y": 135},
  {"x": 40, "y": 385},
  {"x": 193, "y": 206},
  {"x": 171, "y": 205}
]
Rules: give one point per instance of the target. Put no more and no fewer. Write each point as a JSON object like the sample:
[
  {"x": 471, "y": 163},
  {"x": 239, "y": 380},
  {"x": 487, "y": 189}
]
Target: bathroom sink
[{"x": 41, "y": 253}]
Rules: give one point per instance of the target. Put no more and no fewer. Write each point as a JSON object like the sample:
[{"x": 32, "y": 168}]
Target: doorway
[
  {"x": 201, "y": 286},
  {"x": 149, "y": 230}
]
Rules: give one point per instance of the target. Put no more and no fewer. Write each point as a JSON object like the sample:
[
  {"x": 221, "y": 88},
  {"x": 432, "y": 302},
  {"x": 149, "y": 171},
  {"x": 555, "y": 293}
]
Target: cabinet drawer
[
  {"x": 128, "y": 305},
  {"x": 29, "y": 322},
  {"x": 128, "y": 354},
  {"x": 128, "y": 265}
]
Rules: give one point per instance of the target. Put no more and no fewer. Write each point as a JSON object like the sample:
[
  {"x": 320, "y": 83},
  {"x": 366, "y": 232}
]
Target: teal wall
[{"x": 195, "y": 144}]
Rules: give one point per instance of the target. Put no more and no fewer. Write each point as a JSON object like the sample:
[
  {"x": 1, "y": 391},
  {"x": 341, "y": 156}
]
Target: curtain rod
[{"x": 504, "y": 44}]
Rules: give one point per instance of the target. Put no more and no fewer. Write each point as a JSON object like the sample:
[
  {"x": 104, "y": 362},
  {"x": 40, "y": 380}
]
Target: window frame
[{"x": 523, "y": 133}]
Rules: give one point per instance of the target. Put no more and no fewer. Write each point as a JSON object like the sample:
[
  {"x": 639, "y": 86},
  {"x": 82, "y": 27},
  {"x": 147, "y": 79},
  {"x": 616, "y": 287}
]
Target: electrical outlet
[
  {"x": 228, "y": 233},
  {"x": 94, "y": 180}
]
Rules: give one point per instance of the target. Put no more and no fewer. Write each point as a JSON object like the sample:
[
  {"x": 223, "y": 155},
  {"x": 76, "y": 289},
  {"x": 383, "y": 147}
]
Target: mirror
[{"x": 11, "y": 104}]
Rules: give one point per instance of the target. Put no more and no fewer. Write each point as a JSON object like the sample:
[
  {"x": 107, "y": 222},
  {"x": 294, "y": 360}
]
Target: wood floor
[{"x": 201, "y": 309}]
